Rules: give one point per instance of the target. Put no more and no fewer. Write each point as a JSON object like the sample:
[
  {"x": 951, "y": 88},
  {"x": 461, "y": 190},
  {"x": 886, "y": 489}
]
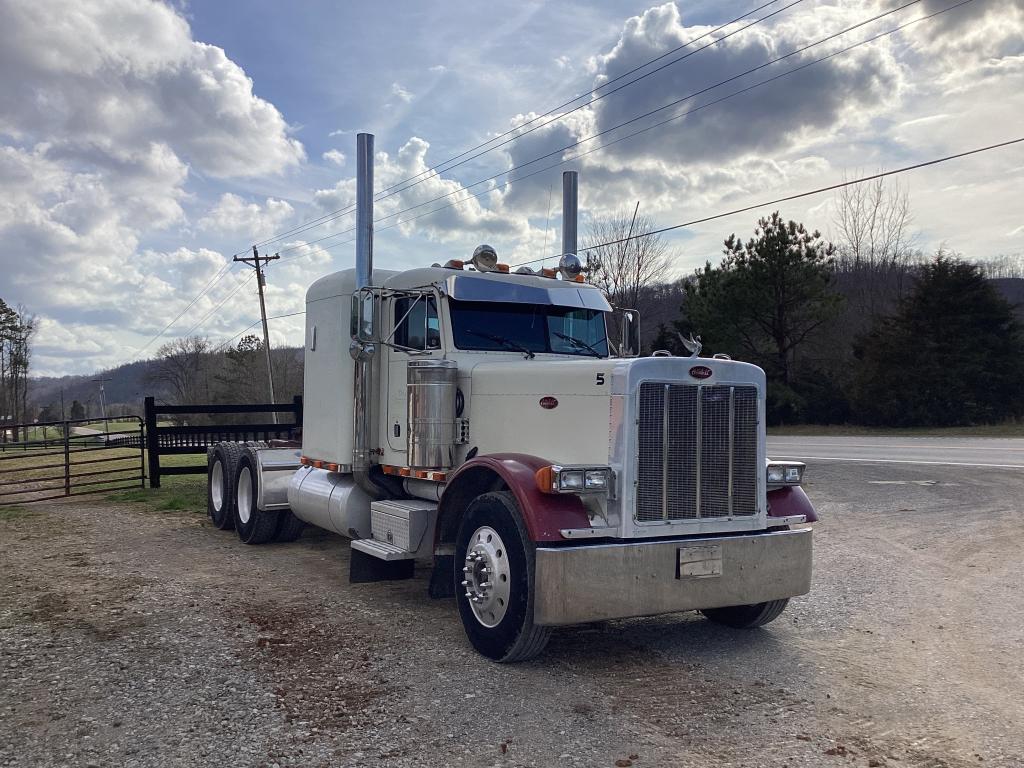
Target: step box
[{"x": 407, "y": 524}]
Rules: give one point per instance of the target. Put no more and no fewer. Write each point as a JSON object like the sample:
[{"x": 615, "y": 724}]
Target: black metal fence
[
  {"x": 54, "y": 465},
  {"x": 166, "y": 440}
]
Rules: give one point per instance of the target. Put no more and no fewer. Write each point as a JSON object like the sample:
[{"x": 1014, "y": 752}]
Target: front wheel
[
  {"x": 747, "y": 616},
  {"x": 494, "y": 587}
]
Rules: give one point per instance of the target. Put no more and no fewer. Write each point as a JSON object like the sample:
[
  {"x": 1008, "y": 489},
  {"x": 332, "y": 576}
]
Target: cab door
[{"x": 415, "y": 333}]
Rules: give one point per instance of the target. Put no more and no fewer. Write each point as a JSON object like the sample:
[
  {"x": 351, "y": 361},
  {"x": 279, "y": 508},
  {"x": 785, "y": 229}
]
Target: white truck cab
[{"x": 482, "y": 421}]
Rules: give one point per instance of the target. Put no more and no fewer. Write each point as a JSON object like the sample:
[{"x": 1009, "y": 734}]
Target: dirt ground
[{"x": 138, "y": 638}]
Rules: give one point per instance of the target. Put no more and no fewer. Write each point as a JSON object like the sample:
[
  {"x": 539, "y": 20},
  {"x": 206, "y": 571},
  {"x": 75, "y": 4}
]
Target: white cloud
[
  {"x": 432, "y": 193},
  {"x": 234, "y": 216},
  {"x": 335, "y": 156},
  {"x": 104, "y": 110},
  {"x": 401, "y": 93},
  {"x": 128, "y": 74}
]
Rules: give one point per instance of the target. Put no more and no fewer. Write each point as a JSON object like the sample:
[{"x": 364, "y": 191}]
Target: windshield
[{"x": 488, "y": 325}]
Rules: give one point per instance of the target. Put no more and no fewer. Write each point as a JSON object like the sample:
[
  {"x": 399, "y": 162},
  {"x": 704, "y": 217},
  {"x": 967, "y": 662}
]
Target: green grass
[
  {"x": 14, "y": 513},
  {"x": 177, "y": 493},
  {"x": 1008, "y": 429}
]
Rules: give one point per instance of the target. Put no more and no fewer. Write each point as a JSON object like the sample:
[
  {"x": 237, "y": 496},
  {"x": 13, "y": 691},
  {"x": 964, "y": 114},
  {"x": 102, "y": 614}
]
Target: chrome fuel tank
[
  {"x": 330, "y": 500},
  {"x": 432, "y": 388}
]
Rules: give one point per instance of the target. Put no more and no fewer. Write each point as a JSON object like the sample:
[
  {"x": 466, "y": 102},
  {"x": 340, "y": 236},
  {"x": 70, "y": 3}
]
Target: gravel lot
[{"x": 137, "y": 638}]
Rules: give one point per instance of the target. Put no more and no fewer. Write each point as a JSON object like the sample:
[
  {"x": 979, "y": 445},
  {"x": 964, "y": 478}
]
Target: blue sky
[{"x": 143, "y": 143}]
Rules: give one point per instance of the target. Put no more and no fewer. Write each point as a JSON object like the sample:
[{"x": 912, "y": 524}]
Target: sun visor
[{"x": 560, "y": 294}]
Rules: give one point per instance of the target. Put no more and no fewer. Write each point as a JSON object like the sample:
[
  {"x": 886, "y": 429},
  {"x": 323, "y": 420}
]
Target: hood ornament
[{"x": 693, "y": 345}]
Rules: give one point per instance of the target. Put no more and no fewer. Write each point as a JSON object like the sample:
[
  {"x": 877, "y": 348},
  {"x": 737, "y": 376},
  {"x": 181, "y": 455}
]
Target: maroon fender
[
  {"x": 790, "y": 500},
  {"x": 545, "y": 514}
]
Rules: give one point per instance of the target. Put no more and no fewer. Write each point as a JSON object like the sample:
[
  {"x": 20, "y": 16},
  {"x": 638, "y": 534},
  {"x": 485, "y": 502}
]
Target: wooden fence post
[
  {"x": 152, "y": 443},
  {"x": 297, "y": 402}
]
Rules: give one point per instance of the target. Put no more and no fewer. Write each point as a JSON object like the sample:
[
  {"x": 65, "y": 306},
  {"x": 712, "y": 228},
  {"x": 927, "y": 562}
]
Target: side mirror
[
  {"x": 629, "y": 333},
  {"x": 364, "y": 308}
]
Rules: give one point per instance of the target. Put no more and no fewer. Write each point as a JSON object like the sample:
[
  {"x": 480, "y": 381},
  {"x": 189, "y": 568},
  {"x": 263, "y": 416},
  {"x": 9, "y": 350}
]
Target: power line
[
  {"x": 799, "y": 195},
  {"x": 589, "y": 138},
  {"x": 436, "y": 170},
  {"x": 609, "y": 93},
  {"x": 220, "y": 304},
  {"x": 745, "y": 209},
  {"x": 223, "y": 344},
  {"x": 221, "y": 274},
  {"x": 652, "y": 112}
]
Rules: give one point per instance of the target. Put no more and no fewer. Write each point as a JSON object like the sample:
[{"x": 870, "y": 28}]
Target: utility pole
[
  {"x": 254, "y": 261},
  {"x": 103, "y": 405}
]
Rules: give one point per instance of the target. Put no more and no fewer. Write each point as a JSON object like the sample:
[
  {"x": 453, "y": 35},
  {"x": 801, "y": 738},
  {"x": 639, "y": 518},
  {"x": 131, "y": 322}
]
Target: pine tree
[
  {"x": 952, "y": 355},
  {"x": 767, "y": 297}
]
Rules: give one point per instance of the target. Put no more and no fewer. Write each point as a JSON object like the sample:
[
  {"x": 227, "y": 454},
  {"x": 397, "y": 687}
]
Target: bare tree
[
  {"x": 626, "y": 268},
  {"x": 17, "y": 327},
  {"x": 875, "y": 248},
  {"x": 182, "y": 370},
  {"x": 1005, "y": 266}
]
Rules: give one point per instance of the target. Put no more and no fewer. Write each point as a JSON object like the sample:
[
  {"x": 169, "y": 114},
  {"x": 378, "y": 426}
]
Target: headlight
[
  {"x": 576, "y": 479},
  {"x": 785, "y": 473},
  {"x": 570, "y": 480}
]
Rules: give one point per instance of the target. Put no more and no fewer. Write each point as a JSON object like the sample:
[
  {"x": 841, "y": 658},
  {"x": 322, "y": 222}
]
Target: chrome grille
[{"x": 697, "y": 452}]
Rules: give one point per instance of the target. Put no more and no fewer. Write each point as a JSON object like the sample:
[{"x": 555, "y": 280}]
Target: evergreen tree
[
  {"x": 767, "y": 297},
  {"x": 766, "y": 301},
  {"x": 77, "y": 411},
  {"x": 953, "y": 354}
]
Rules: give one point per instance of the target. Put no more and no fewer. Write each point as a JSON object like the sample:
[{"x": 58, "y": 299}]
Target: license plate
[{"x": 700, "y": 561}]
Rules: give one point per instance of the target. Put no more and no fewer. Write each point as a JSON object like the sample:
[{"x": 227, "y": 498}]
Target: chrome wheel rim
[
  {"x": 217, "y": 485},
  {"x": 244, "y": 495},
  {"x": 487, "y": 577}
]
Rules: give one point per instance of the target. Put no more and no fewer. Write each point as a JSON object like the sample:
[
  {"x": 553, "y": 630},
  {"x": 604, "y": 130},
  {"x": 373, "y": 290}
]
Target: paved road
[{"x": 996, "y": 453}]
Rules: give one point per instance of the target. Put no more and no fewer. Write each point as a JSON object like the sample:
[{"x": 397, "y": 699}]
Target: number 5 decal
[{"x": 600, "y": 379}]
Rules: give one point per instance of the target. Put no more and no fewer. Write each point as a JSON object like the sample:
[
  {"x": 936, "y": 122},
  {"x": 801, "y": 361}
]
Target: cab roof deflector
[{"x": 470, "y": 288}]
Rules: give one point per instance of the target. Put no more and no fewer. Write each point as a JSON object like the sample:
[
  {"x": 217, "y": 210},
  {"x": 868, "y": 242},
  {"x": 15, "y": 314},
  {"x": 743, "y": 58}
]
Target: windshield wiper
[
  {"x": 578, "y": 344},
  {"x": 504, "y": 342}
]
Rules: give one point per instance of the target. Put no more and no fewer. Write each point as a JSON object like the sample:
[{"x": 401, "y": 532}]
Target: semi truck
[{"x": 482, "y": 422}]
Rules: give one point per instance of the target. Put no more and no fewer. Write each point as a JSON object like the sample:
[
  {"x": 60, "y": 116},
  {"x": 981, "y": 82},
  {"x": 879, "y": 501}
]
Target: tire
[
  {"x": 499, "y": 625},
  {"x": 252, "y": 525},
  {"x": 220, "y": 486},
  {"x": 747, "y": 616},
  {"x": 289, "y": 527}
]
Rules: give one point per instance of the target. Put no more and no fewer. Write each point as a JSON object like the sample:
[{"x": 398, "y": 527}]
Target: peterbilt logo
[{"x": 701, "y": 372}]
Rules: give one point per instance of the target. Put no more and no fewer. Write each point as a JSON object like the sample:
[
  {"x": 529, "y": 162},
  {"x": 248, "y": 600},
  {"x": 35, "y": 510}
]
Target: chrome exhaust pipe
[
  {"x": 570, "y": 189},
  {"x": 362, "y": 352}
]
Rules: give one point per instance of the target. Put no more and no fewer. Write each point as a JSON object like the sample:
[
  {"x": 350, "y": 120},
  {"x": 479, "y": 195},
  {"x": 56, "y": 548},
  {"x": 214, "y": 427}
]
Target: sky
[{"x": 143, "y": 144}]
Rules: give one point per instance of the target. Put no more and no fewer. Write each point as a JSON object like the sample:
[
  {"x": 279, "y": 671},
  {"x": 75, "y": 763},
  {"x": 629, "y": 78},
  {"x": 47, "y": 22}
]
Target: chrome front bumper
[{"x": 578, "y": 584}]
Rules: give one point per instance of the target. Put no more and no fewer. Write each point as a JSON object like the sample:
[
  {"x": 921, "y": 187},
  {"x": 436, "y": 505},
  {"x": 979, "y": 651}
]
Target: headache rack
[{"x": 697, "y": 455}]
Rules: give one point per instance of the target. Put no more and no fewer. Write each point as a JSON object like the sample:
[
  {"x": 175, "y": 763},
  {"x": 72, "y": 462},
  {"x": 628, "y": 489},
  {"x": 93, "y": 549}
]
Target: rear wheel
[
  {"x": 747, "y": 616},
  {"x": 253, "y": 525},
  {"x": 220, "y": 487},
  {"x": 495, "y": 588}
]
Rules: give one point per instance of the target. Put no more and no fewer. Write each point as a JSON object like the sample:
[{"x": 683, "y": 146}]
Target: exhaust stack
[
  {"x": 362, "y": 352},
  {"x": 364, "y": 210},
  {"x": 570, "y": 187}
]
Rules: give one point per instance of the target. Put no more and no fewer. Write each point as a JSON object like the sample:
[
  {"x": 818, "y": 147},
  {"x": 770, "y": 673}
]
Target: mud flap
[{"x": 364, "y": 568}]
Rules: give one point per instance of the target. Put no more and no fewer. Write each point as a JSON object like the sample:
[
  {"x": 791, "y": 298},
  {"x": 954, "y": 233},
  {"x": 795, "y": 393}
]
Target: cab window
[{"x": 416, "y": 323}]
